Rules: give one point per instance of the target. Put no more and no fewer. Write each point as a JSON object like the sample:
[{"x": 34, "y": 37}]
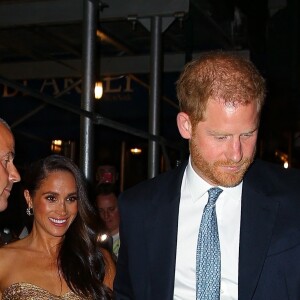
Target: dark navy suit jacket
[{"x": 269, "y": 254}]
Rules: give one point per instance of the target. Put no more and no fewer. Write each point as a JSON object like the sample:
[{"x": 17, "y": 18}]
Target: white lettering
[
  {"x": 68, "y": 82},
  {"x": 128, "y": 87},
  {"x": 107, "y": 87},
  {"x": 111, "y": 85},
  {"x": 50, "y": 82}
]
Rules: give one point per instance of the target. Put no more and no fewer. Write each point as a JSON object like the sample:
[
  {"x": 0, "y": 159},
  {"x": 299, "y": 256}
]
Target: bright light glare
[
  {"x": 136, "y": 151},
  {"x": 56, "y": 146},
  {"x": 103, "y": 237},
  {"x": 98, "y": 90}
]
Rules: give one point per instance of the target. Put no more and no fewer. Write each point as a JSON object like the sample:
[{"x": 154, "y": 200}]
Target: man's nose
[
  {"x": 234, "y": 151},
  {"x": 14, "y": 175},
  {"x": 105, "y": 215}
]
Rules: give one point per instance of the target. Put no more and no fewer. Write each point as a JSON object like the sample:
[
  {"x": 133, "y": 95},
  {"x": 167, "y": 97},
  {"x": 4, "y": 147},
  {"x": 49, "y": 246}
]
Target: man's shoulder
[
  {"x": 267, "y": 173},
  {"x": 273, "y": 168}
]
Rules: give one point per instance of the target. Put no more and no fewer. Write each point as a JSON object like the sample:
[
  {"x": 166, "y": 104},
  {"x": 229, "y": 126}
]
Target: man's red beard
[{"x": 211, "y": 171}]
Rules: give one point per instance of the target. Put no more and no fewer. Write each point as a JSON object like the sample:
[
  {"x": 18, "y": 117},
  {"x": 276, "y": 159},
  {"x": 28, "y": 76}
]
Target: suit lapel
[
  {"x": 257, "y": 222},
  {"x": 161, "y": 231}
]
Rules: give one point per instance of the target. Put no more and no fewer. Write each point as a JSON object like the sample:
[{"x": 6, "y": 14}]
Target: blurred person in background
[{"x": 107, "y": 205}]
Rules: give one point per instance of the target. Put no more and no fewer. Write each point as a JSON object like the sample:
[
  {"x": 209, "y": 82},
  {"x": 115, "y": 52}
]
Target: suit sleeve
[{"x": 122, "y": 284}]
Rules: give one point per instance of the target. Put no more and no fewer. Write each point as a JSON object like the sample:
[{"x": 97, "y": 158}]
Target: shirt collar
[{"x": 198, "y": 186}]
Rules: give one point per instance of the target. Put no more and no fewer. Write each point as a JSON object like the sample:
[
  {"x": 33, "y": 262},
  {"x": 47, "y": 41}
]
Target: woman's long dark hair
[{"x": 80, "y": 260}]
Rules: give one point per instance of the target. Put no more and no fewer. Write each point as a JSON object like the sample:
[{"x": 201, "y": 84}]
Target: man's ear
[
  {"x": 184, "y": 125},
  {"x": 28, "y": 198}
]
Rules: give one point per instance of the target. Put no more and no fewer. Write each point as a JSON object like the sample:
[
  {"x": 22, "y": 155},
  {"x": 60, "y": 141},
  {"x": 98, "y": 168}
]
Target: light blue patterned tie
[{"x": 208, "y": 256}]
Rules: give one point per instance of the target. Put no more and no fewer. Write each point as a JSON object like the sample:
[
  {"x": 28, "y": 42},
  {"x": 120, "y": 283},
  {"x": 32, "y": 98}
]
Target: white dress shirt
[{"x": 193, "y": 199}]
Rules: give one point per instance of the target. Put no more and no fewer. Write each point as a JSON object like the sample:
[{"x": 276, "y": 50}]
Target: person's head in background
[
  {"x": 107, "y": 205},
  {"x": 8, "y": 172},
  {"x": 221, "y": 97}
]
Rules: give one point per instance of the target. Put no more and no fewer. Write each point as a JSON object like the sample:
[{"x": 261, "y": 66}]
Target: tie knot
[{"x": 213, "y": 194}]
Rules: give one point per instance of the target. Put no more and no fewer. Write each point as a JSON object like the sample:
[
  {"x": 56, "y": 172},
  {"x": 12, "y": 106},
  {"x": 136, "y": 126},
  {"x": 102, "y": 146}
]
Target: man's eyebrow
[
  {"x": 10, "y": 155},
  {"x": 213, "y": 132},
  {"x": 250, "y": 131}
]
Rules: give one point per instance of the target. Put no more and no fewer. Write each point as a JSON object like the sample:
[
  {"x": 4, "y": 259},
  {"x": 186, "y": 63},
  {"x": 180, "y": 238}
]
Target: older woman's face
[{"x": 54, "y": 203}]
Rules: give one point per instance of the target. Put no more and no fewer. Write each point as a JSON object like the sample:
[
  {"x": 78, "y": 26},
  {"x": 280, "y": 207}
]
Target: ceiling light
[
  {"x": 98, "y": 89},
  {"x": 56, "y": 146},
  {"x": 136, "y": 151}
]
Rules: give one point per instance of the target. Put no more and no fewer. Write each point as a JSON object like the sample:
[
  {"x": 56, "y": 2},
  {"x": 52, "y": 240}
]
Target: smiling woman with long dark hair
[{"x": 60, "y": 258}]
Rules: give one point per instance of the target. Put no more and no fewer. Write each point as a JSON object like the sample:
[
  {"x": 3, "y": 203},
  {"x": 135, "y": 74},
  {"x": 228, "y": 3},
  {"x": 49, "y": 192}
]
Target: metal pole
[
  {"x": 90, "y": 17},
  {"x": 122, "y": 171},
  {"x": 154, "y": 105}
]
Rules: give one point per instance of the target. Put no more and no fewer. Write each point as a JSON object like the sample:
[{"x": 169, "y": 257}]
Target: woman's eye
[
  {"x": 72, "y": 198},
  {"x": 50, "y": 198}
]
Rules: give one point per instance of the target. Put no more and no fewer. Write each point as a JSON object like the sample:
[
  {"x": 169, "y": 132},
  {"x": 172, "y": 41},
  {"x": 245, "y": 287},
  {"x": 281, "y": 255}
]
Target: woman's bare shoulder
[
  {"x": 10, "y": 254},
  {"x": 10, "y": 250}
]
